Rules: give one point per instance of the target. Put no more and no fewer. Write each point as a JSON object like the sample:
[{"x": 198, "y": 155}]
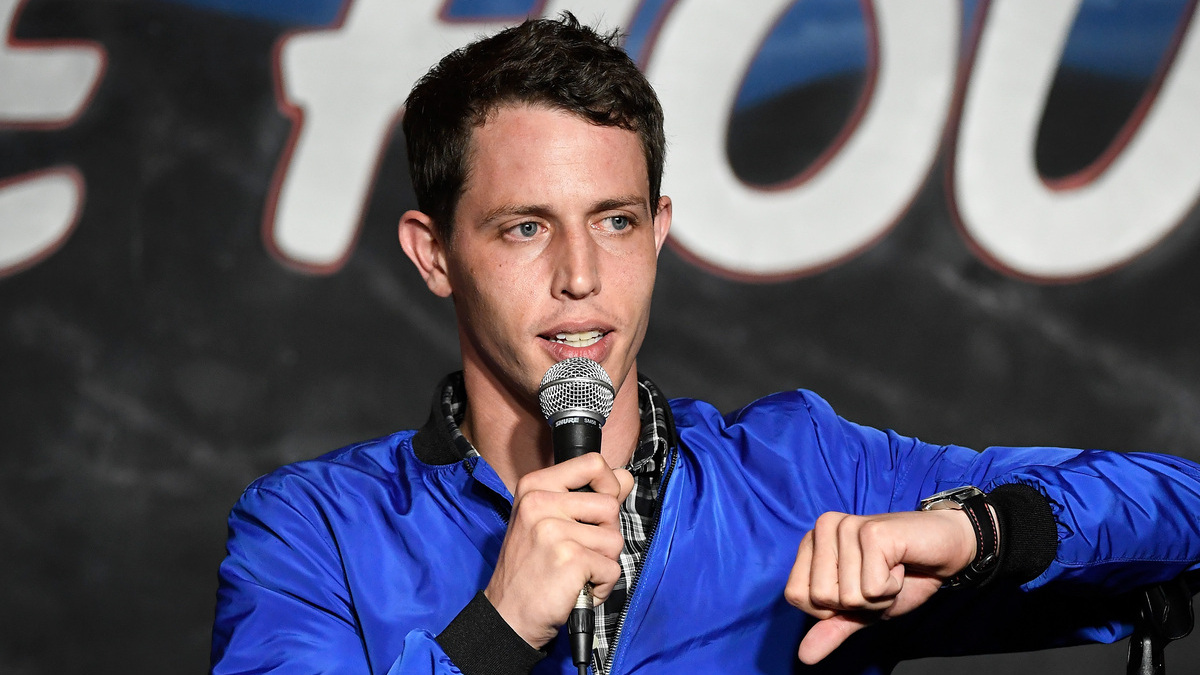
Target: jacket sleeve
[
  {"x": 283, "y": 605},
  {"x": 1123, "y": 521}
]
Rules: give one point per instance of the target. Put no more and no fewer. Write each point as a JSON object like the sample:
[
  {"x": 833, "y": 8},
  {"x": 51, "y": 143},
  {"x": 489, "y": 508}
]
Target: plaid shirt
[{"x": 637, "y": 512}]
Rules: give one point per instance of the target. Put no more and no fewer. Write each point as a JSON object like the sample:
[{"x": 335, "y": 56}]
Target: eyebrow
[
  {"x": 621, "y": 202},
  {"x": 507, "y": 210},
  {"x": 545, "y": 211}
]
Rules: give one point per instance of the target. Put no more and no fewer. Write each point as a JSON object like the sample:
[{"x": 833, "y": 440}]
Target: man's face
[{"x": 554, "y": 248}]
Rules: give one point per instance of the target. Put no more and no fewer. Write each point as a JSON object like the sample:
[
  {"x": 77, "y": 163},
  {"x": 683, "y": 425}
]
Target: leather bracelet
[{"x": 973, "y": 502}]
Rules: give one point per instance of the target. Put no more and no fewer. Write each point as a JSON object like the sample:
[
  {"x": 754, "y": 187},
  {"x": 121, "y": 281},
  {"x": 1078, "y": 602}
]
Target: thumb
[{"x": 827, "y": 634}]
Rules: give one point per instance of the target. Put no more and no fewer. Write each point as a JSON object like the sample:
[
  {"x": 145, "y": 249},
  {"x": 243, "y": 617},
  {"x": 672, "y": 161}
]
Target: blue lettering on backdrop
[
  {"x": 1124, "y": 38},
  {"x": 312, "y": 13},
  {"x": 818, "y": 39},
  {"x": 489, "y": 9},
  {"x": 814, "y": 39}
]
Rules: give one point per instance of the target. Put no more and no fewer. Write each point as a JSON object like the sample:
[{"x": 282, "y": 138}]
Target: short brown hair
[{"x": 560, "y": 64}]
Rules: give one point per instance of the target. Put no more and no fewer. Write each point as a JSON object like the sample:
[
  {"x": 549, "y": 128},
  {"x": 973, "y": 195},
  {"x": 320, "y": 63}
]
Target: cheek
[
  {"x": 474, "y": 301},
  {"x": 638, "y": 270},
  {"x": 500, "y": 297},
  {"x": 636, "y": 278}
]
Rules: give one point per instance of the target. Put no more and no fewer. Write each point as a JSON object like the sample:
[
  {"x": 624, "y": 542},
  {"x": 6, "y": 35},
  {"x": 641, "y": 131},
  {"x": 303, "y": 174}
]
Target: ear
[
  {"x": 662, "y": 222},
  {"x": 422, "y": 244}
]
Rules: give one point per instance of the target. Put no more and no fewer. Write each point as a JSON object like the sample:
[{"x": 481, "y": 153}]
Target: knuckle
[
  {"x": 805, "y": 548},
  {"x": 613, "y": 544},
  {"x": 849, "y": 600},
  {"x": 828, "y": 521},
  {"x": 547, "y": 530},
  {"x": 564, "y": 552},
  {"x": 795, "y": 595},
  {"x": 872, "y": 531},
  {"x": 592, "y": 464},
  {"x": 611, "y": 508},
  {"x": 824, "y": 597},
  {"x": 533, "y": 500},
  {"x": 525, "y": 485},
  {"x": 849, "y": 526},
  {"x": 609, "y": 571},
  {"x": 874, "y": 590}
]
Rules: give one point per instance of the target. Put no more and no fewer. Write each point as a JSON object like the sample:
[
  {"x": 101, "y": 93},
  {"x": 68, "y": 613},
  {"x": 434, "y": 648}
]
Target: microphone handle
[{"x": 575, "y": 437}]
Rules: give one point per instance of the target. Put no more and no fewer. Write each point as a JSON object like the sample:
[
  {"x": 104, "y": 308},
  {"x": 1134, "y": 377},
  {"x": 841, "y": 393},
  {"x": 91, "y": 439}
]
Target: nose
[{"x": 577, "y": 271}]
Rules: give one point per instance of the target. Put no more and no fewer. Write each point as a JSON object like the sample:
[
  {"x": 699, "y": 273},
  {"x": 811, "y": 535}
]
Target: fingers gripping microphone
[{"x": 576, "y": 397}]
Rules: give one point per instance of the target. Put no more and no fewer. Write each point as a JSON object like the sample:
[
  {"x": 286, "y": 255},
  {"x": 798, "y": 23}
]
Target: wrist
[
  {"x": 981, "y": 527},
  {"x": 535, "y": 636}
]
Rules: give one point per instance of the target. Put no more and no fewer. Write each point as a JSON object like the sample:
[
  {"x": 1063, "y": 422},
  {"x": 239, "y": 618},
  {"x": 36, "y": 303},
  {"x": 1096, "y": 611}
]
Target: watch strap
[{"x": 987, "y": 538}]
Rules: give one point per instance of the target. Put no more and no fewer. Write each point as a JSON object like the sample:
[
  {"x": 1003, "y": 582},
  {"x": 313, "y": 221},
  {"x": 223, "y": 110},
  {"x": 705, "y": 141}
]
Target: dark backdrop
[{"x": 160, "y": 359}]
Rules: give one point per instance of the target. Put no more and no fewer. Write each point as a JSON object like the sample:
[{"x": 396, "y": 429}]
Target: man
[{"x": 536, "y": 155}]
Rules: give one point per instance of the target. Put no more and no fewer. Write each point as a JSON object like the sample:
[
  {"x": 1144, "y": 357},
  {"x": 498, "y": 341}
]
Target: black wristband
[
  {"x": 1030, "y": 531},
  {"x": 480, "y": 642}
]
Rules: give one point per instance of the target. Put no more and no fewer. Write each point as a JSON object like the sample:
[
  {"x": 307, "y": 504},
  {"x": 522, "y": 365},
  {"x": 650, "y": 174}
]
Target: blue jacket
[{"x": 355, "y": 561}]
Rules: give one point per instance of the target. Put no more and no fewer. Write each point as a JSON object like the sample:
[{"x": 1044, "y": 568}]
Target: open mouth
[{"x": 585, "y": 338}]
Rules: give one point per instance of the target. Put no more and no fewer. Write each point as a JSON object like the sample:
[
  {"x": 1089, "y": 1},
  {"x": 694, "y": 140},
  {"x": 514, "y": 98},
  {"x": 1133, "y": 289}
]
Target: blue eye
[
  {"x": 527, "y": 229},
  {"x": 619, "y": 222}
]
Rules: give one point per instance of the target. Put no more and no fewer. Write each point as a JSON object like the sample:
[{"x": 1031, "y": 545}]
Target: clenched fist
[
  {"x": 557, "y": 541},
  {"x": 851, "y": 571}
]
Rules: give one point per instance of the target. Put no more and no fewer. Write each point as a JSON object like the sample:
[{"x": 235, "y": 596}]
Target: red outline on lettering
[
  {"x": 72, "y": 172},
  {"x": 17, "y": 44},
  {"x": 844, "y": 135},
  {"x": 966, "y": 67},
  {"x": 1079, "y": 179},
  {"x": 296, "y": 115}
]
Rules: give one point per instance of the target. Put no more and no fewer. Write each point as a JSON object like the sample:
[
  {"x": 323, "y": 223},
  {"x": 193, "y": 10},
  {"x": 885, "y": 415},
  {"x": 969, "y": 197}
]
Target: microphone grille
[{"x": 578, "y": 385}]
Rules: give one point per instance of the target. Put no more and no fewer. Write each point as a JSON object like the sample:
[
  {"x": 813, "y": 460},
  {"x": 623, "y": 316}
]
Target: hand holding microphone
[
  {"x": 576, "y": 397},
  {"x": 559, "y": 539}
]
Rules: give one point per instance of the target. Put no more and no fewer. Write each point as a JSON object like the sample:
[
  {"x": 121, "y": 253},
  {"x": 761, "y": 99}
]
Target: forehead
[{"x": 529, "y": 152}]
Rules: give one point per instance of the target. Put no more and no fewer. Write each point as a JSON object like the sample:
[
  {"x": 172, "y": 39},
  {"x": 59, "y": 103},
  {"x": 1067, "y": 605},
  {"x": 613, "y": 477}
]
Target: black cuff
[
  {"x": 1028, "y": 532},
  {"x": 480, "y": 642}
]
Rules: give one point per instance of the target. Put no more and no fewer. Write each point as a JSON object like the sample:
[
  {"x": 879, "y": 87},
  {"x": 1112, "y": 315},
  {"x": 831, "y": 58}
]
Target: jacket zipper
[
  {"x": 504, "y": 513},
  {"x": 637, "y": 577}
]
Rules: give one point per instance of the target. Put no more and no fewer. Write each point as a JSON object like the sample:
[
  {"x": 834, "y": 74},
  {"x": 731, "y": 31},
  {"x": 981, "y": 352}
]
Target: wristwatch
[{"x": 973, "y": 502}]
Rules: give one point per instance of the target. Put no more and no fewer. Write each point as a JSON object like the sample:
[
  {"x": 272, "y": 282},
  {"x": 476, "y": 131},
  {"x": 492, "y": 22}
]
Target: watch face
[{"x": 950, "y": 499}]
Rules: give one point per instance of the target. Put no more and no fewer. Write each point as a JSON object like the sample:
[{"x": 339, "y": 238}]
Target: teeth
[{"x": 585, "y": 339}]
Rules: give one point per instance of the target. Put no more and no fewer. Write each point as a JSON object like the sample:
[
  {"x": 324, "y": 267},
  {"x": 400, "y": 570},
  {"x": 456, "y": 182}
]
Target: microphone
[{"x": 576, "y": 396}]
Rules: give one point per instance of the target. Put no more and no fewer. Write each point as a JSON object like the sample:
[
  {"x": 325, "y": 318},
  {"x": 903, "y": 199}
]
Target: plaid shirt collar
[{"x": 653, "y": 442}]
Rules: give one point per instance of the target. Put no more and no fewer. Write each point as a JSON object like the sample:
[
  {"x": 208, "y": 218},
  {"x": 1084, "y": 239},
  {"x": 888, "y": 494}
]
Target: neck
[{"x": 508, "y": 430}]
